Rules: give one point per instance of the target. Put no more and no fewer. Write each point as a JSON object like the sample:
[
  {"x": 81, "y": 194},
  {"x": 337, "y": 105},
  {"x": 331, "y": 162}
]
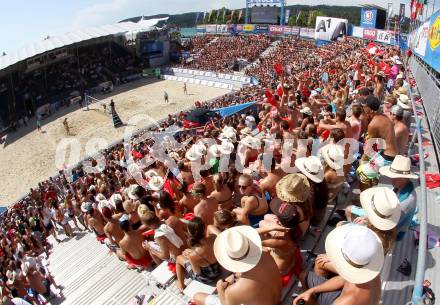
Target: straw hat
[
  {"x": 381, "y": 206},
  {"x": 311, "y": 167},
  {"x": 293, "y": 188},
  {"x": 142, "y": 210},
  {"x": 228, "y": 133},
  {"x": 403, "y": 101},
  {"x": 356, "y": 252},
  {"x": 246, "y": 131},
  {"x": 226, "y": 147},
  {"x": 156, "y": 183},
  {"x": 131, "y": 191},
  {"x": 306, "y": 110},
  {"x": 193, "y": 154},
  {"x": 238, "y": 249},
  {"x": 400, "y": 168},
  {"x": 115, "y": 197},
  {"x": 333, "y": 156},
  {"x": 215, "y": 150}
]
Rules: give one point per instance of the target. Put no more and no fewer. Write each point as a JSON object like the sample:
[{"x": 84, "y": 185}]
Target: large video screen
[
  {"x": 151, "y": 48},
  {"x": 265, "y": 14}
]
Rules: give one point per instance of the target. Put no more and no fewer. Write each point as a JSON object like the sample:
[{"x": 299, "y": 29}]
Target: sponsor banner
[
  {"x": 276, "y": 30},
  {"x": 211, "y": 28},
  {"x": 387, "y": 37},
  {"x": 421, "y": 39},
  {"x": 307, "y": 32},
  {"x": 368, "y": 18},
  {"x": 222, "y": 28},
  {"x": 330, "y": 29},
  {"x": 249, "y": 27},
  {"x": 296, "y": 30},
  {"x": 358, "y": 32},
  {"x": 370, "y": 34},
  {"x": 261, "y": 28},
  {"x": 240, "y": 28},
  {"x": 432, "y": 53},
  {"x": 201, "y": 29},
  {"x": 287, "y": 30}
]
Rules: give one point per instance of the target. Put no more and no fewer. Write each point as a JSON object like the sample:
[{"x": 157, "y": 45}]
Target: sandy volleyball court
[{"x": 28, "y": 156}]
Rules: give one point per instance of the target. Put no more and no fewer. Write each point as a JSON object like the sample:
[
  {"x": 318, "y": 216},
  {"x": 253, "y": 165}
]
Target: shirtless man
[
  {"x": 355, "y": 285},
  {"x": 36, "y": 280},
  {"x": 380, "y": 127},
  {"x": 263, "y": 279},
  {"x": 94, "y": 220},
  {"x": 207, "y": 206},
  {"x": 400, "y": 129},
  {"x": 167, "y": 245},
  {"x": 131, "y": 245}
]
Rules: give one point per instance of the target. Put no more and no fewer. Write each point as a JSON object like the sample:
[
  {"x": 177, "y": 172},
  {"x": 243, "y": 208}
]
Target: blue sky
[{"x": 26, "y": 21}]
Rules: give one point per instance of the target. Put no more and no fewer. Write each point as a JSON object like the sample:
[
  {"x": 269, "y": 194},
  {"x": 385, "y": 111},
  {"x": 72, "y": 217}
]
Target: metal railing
[{"x": 417, "y": 296}]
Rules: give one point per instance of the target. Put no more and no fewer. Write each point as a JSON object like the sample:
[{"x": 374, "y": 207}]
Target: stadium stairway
[{"x": 206, "y": 78}]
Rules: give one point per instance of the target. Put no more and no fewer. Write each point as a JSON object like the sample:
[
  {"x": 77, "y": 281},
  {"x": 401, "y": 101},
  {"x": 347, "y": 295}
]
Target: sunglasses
[{"x": 243, "y": 186}]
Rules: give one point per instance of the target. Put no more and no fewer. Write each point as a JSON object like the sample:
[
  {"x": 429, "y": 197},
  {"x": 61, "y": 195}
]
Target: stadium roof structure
[{"x": 54, "y": 42}]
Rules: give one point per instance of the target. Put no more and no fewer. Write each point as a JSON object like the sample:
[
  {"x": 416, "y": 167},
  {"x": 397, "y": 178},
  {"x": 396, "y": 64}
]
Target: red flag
[
  {"x": 270, "y": 98},
  {"x": 278, "y": 69},
  {"x": 280, "y": 90}
]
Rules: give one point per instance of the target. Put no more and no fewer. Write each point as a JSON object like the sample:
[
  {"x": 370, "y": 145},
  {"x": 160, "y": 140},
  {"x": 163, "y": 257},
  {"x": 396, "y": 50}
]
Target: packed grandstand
[{"x": 277, "y": 192}]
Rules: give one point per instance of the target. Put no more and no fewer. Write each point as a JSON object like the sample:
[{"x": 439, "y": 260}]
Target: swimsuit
[{"x": 144, "y": 261}]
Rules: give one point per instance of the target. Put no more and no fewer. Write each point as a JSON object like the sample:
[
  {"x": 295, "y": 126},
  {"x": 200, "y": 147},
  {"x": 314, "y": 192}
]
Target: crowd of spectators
[
  {"x": 246, "y": 214},
  {"x": 222, "y": 53}
]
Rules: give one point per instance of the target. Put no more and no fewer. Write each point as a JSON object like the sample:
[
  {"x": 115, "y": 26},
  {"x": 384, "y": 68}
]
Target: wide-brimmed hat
[
  {"x": 381, "y": 206},
  {"x": 215, "y": 150},
  {"x": 86, "y": 207},
  {"x": 131, "y": 191},
  {"x": 306, "y": 110},
  {"x": 400, "y": 168},
  {"x": 246, "y": 131},
  {"x": 403, "y": 101},
  {"x": 238, "y": 249},
  {"x": 311, "y": 167},
  {"x": 142, "y": 210},
  {"x": 293, "y": 188},
  {"x": 333, "y": 156},
  {"x": 250, "y": 142},
  {"x": 193, "y": 153},
  {"x": 226, "y": 147},
  {"x": 100, "y": 197},
  {"x": 11, "y": 275},
  {"x": 115, "y": 197},
  {"x": 156, "y": 183},
  {"x": 356, "y": 253},
  {"x": 150, "y": 173}
]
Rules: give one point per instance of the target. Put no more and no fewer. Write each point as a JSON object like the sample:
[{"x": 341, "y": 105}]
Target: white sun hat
[
  {"x": 193, "y": 154},
  {"x": 306, "y": 110},
  {"x": 250, "y": 142},
  {"x": 356, "y": 253},
  {"x": 403, "y": 101},
  {"x": 131, "y": 191},
  {"x": 156, "y": 183},
  {"x": 311, "y": 167},
  {"x": 400, "y": 168},
  {"x": 226, "y": 147},
  {"x": 381, "y": 206},
  {"x": 115, "y": 197},
  {"x": 215, "y": 150},
  {"x": 238, "y": 249},
  {"x": 333, "y": 156}
]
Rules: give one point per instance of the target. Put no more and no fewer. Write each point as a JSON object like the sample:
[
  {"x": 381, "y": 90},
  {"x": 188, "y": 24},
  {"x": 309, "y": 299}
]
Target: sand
[{"x": 28, "y": 156}]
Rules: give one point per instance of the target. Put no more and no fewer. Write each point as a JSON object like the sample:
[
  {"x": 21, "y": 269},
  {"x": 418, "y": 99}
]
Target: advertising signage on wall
[
  {"x": 276, "y": 30},
  {"x": 370, "y": 34},
  {"x": 385, "y": 37},
  {"x": 368, "y": 18},
  {"x": 261, "y": 28},
  {"x": 330, "y": 29}
]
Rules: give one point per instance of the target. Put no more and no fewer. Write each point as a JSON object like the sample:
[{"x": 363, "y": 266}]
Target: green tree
[
  {"x": 312, "y": 18},
  {"x": 302, "y": 19}
]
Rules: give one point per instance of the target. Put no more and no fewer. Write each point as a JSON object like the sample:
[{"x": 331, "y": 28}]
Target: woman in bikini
[
  {"x": 222, "y": 192},
  {"x": 253, "y": 203},
  {"x": 223, "y": 220},
  {"x": 199, "y": 261}
]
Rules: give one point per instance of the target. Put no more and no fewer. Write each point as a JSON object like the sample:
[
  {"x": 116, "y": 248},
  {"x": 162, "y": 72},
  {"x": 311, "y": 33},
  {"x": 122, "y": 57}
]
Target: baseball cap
[{"x": 372, "y": 102}]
